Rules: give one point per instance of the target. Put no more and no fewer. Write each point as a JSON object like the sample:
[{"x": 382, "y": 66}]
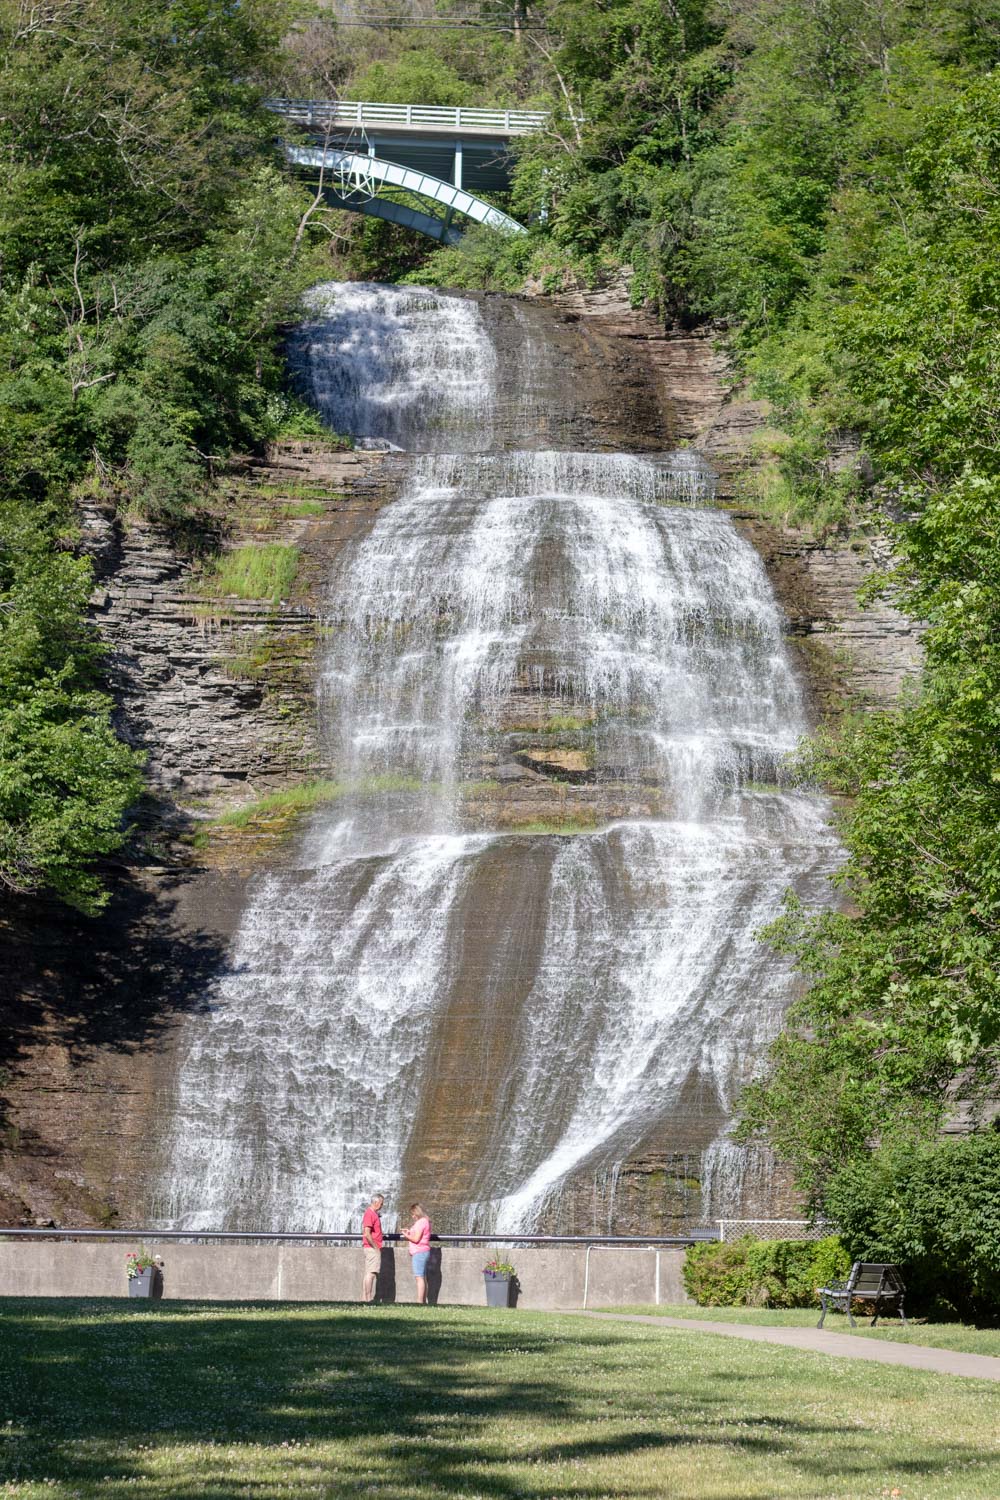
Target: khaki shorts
[{"x": 373, "y": 1261}]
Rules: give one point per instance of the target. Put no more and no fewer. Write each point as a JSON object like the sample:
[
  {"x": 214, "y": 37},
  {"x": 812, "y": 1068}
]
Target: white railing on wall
[{"x": 410, "y": 116}]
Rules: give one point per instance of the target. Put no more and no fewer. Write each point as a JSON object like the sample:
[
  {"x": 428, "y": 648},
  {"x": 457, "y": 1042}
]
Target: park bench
[{"x": 868, "y": 1282}]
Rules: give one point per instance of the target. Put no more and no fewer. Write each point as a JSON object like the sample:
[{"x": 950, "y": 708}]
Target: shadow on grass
[{"x": 411, "y": 1399}]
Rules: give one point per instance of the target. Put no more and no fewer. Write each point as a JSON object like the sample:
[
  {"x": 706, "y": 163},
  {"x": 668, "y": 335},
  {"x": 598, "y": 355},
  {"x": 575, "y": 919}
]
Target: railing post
[
  {"x": 457, "y": 174},
  {"x": 409, "y": 114}
]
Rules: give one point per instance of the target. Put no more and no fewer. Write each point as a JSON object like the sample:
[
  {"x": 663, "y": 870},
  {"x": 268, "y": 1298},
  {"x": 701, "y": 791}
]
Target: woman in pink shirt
[{"x": 419, "y": 1236}]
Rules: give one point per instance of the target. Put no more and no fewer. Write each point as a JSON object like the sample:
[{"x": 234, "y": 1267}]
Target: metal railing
[
  {"x": 314, "y": 1236},
  {"x": 409, "y": 116}
]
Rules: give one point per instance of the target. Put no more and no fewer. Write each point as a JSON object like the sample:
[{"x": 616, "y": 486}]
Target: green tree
[
  {"x": 151, "y": 245},
  {"x": 934, "y": 1209},
  {"x": 66, "y": 780},
  {"x": 905, "y": 1001}
]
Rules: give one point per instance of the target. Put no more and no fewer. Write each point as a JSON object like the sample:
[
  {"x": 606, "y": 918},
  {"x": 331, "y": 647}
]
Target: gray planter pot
[
  {"x": 146, "y": 1283},
  {"x": 497, "y": 1289}
]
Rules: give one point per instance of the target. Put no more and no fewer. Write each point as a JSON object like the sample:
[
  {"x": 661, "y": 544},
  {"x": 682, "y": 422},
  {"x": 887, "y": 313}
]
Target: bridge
[{"x": 443, "y": 158}]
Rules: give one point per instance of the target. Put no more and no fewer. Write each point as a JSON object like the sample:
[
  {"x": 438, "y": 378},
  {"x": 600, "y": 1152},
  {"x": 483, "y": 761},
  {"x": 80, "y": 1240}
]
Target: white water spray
[{"x": 587, "y": 579}]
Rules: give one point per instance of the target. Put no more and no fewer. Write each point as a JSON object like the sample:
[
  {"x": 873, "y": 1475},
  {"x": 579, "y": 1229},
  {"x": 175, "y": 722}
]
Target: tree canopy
[{"x": 149, "y": 249}]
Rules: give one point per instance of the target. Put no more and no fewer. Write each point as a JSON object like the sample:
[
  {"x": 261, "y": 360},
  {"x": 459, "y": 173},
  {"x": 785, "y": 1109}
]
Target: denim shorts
[{"x": 420, "y": 1262}]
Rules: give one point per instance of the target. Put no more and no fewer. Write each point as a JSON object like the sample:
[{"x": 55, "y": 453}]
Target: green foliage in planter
[
  {"x": 498, "y": 1267},
  {"x": 138, "y": 1261},
  {"x": 762, "y": 1273}
]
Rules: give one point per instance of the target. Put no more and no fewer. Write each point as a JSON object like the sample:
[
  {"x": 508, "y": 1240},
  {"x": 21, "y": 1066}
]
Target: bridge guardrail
[{"x": 412, "y": 116}]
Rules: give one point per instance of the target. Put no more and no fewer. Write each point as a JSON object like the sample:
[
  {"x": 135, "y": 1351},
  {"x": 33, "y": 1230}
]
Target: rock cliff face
[
  {"x": 851, "y": 656},
  {"x": 218, "y": 690},
  {"x": 220, "y": 693}
]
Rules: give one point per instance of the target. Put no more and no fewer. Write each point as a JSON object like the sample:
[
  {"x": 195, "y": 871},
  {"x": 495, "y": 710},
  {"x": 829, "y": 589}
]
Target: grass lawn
[
  {"x": 964, "y": 1337},
  {"x": 192, "y": 1401}
]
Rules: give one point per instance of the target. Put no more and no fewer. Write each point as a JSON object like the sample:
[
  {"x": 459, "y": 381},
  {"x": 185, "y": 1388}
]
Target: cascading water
[
  {"x": 607, "y": 961},
  {"x": 365, "y": 357},
  {"x": 730, "y": 1175}
]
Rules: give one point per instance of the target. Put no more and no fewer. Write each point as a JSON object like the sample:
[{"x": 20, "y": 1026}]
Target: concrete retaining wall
[{"x": 564, "y": 1277}]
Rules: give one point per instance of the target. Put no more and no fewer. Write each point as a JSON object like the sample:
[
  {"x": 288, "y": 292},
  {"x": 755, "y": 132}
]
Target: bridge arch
[{"x": 353, "y": 183}]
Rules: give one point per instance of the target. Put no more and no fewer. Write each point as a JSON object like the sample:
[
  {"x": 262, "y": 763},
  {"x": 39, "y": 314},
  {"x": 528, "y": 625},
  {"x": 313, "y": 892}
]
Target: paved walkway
[{"x": 819, "y": 1341}]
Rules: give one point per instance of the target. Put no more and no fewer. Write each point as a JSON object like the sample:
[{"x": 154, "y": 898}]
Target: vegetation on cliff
[{"x": 149, "y": 249}]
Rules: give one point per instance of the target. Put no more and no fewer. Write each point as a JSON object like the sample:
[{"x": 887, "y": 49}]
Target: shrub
[
  {"x": 934, "y": 1209},
  {"x": 762, "y": 1273},
  {"x": 831, "y": 1260},
  {"x": 718, "y": 1275}
]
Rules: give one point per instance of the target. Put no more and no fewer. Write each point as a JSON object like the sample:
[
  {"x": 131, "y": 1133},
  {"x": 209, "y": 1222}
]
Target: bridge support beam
[{"x": 350, "y": 172}]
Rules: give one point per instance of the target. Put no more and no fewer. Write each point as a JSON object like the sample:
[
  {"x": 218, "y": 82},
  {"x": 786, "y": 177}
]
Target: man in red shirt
[{"x": 371, "y": 1241}]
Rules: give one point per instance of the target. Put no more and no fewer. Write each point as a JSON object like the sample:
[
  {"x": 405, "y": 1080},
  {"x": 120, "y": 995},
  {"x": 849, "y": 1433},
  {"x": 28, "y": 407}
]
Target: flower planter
[
  {"x": 497, "y": 1289},
  {"x": 145, "y": 1283}
]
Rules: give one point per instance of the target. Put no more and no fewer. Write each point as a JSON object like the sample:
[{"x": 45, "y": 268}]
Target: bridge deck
[
  {"x": 423, "y": 120},
  {"x": 444, "y": 156}
]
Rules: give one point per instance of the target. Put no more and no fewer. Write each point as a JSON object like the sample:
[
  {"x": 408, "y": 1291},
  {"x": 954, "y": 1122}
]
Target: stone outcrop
[
  {"x": 691, "y": 375},
  {"x": 218, "y": 690},
  {"x": 88, "y": 1012},
  {"x": 219, "y": 693},
  {"x": 854, "y": 656}
]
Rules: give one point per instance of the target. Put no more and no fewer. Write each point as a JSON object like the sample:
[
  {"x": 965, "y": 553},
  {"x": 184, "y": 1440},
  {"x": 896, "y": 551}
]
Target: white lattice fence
[{"x": 773, "y": 1229}]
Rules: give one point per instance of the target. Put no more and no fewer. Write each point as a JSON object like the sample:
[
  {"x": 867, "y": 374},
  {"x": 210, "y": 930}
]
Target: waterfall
[
  {"x": 396, "y": 368},
  {"x": 534, "y": 994},
  {"x": 663, "y": 968},
  {"x": 732, "y": 1174}
]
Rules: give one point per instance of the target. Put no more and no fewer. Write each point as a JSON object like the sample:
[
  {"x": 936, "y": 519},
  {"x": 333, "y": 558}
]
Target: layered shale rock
[
  {"x": 219, "y": 693},
  {"x": 853, "y": 656}
]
